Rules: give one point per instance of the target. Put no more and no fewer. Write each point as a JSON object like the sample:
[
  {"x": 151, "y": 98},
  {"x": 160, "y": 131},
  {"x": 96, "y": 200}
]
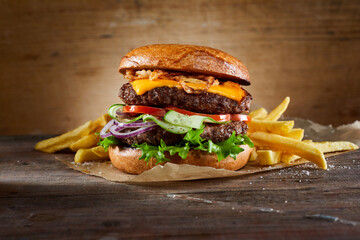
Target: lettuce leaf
[
  {"x": 191, "y": 140},
  {"x": 150, "y": 151},
  {"x": 107, "y": 142}
]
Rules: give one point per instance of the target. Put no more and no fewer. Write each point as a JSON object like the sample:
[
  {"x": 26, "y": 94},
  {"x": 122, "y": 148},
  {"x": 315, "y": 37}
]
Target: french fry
[
  {"x": 278, "y": 127},
  {"x": 275, "y": 114},
  {"x": 87, "y": 155},
  {"x": 326, "y": 147},
  {"x": 100, "y": 122},
  {"x": 288, "y": 158},
  {"x": 258, "y": 113},
  {"x": 289, "y": 145},
  {"x": 63, "y": 141},
  {"x": 268, "y": 157},
  {"x": 253, "y": 155},
  {"x": 88, "y": 141},
  {"x": 295, "y": 133},
  {"x": 100, "y": 151}
]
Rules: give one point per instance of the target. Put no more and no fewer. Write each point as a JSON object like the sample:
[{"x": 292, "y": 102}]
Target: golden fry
[
  {"x": 63, "y": 141},
  {"x": 88, "y": 141},
  {"x": 295, "y": 133},
  {"x": 258, "y": 113},
  {"x": 100, "y": 122},
  {"x": 288, "y": 158},
  {"x": 326, "y": 147},
  {"x": 100, "y": 151},
  {"x": 87, "y": 155},
  {"x": 253, "y": 155},
  {"x": 278, "y": 127},
  {"x": 268, "y": 157},
  {"x": 289, "y": 145},
  {"x": 275, "y": 114}
]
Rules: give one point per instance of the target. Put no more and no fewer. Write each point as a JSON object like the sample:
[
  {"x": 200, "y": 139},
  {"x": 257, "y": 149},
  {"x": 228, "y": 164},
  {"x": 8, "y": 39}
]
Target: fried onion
[
  {"x": 199, "y": 90},
  {"x": 203, "y": 82}
]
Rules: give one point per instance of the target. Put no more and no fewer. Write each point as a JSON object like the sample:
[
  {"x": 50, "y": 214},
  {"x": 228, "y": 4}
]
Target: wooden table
[{"x": 41, "y": 198}]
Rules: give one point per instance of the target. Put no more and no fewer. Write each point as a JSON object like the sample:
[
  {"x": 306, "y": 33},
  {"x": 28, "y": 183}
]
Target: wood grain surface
[
  {"x": 59, "y": 59},
  {"x": 41, "y": 198}
]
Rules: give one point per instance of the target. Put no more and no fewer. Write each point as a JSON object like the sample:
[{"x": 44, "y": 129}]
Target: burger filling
[
  {"x": 171, "y": 96},
  {"x": 173, "y": 112},
  {"x": 214, "y": 132},
  {"x": 146, "y": 80}
]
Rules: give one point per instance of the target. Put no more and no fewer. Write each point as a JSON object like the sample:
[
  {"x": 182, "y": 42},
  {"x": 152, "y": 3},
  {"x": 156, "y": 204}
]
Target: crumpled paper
[{"x": 175, "y": 172}]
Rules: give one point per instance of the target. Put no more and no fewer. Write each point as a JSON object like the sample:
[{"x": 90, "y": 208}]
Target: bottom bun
[{"x": 127, "y": 159}]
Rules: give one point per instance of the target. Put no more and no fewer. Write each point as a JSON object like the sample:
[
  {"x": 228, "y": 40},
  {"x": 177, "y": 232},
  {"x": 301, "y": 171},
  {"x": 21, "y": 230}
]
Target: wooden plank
[
  {"x": 42, "y": 198},
  {"x": 60, "y": 58}
]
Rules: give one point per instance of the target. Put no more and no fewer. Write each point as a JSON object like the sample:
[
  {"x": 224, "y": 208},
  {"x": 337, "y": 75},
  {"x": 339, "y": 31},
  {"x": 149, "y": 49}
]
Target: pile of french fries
[
  {"x": 83, "y": 140},
  {"x": 277, "y": 141}
]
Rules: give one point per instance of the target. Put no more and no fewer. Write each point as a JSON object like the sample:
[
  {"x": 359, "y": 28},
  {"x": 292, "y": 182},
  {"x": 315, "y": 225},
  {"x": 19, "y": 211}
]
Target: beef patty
[
  {"x": 214, "y": 132},
  {"x": 201, "y": 103}
]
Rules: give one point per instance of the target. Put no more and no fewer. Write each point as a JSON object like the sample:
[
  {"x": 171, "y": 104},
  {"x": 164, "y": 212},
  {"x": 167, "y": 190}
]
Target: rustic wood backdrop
[{"x": 59, "y": 59}]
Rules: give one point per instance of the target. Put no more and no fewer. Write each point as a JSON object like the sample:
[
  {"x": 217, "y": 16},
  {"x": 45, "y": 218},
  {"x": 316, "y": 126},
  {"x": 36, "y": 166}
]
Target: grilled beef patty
[
  {"x": 215, "y": 132},
  {"x": 201, "y": 103}
]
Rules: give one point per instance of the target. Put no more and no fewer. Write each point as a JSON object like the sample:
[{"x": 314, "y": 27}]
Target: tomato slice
[
  {"x": 216, "y": 117},
  {"x": 159, "y": 112},
  {"x": 240, "y": 117}
]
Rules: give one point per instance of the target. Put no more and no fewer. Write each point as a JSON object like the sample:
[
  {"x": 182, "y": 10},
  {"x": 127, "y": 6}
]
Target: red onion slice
[
  {"x": 114, "y": 131},
  {"x": 134, "y": 124},
  {"x": 115, "y": 126},
  {"x": 103, "y": 132}
]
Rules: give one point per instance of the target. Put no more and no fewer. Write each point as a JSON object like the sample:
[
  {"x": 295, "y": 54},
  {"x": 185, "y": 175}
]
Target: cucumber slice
[
  {"x": 134, "y": 119},
  {"x": 210, "y": 120},
  {"x": 194, "y": 121},
  {"x": 167, "y": 126},
  {"x": 185, "y": 120},
  {"x": 113, "y": 108}
]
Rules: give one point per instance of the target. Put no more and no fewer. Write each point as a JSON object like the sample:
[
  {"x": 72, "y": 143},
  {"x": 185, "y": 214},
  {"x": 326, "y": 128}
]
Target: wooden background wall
[{"x": 59, "y": 59}]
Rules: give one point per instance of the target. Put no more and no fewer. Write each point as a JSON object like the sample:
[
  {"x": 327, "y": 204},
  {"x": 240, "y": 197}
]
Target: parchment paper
[{"x": 175, "y": 172}]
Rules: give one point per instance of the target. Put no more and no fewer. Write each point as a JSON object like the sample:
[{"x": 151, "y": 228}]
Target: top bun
[{"x": 186, "y": 58}]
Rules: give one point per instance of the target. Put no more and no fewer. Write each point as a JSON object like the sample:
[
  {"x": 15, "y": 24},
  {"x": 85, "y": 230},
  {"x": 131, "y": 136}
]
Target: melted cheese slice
[{"x": 227, "y": 90}]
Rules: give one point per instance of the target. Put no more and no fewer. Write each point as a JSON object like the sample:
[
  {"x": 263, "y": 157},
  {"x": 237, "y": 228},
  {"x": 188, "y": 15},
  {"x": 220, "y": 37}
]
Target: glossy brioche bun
[
  {"x": 186, "y": 58},
  {"x": 127, "y": 159}
]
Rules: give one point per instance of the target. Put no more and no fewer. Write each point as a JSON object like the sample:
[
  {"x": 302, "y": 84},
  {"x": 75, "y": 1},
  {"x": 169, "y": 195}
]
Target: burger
[{"x": 183, "y": 104}]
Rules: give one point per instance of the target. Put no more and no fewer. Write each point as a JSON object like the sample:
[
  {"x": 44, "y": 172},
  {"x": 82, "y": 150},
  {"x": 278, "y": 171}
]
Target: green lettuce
[
  {"x": 191, "y": 140},
  {"x": 107, "y": 142}
]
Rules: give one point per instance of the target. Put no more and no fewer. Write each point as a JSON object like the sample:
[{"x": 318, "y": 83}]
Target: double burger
[{"x": 183, "y": 104}]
